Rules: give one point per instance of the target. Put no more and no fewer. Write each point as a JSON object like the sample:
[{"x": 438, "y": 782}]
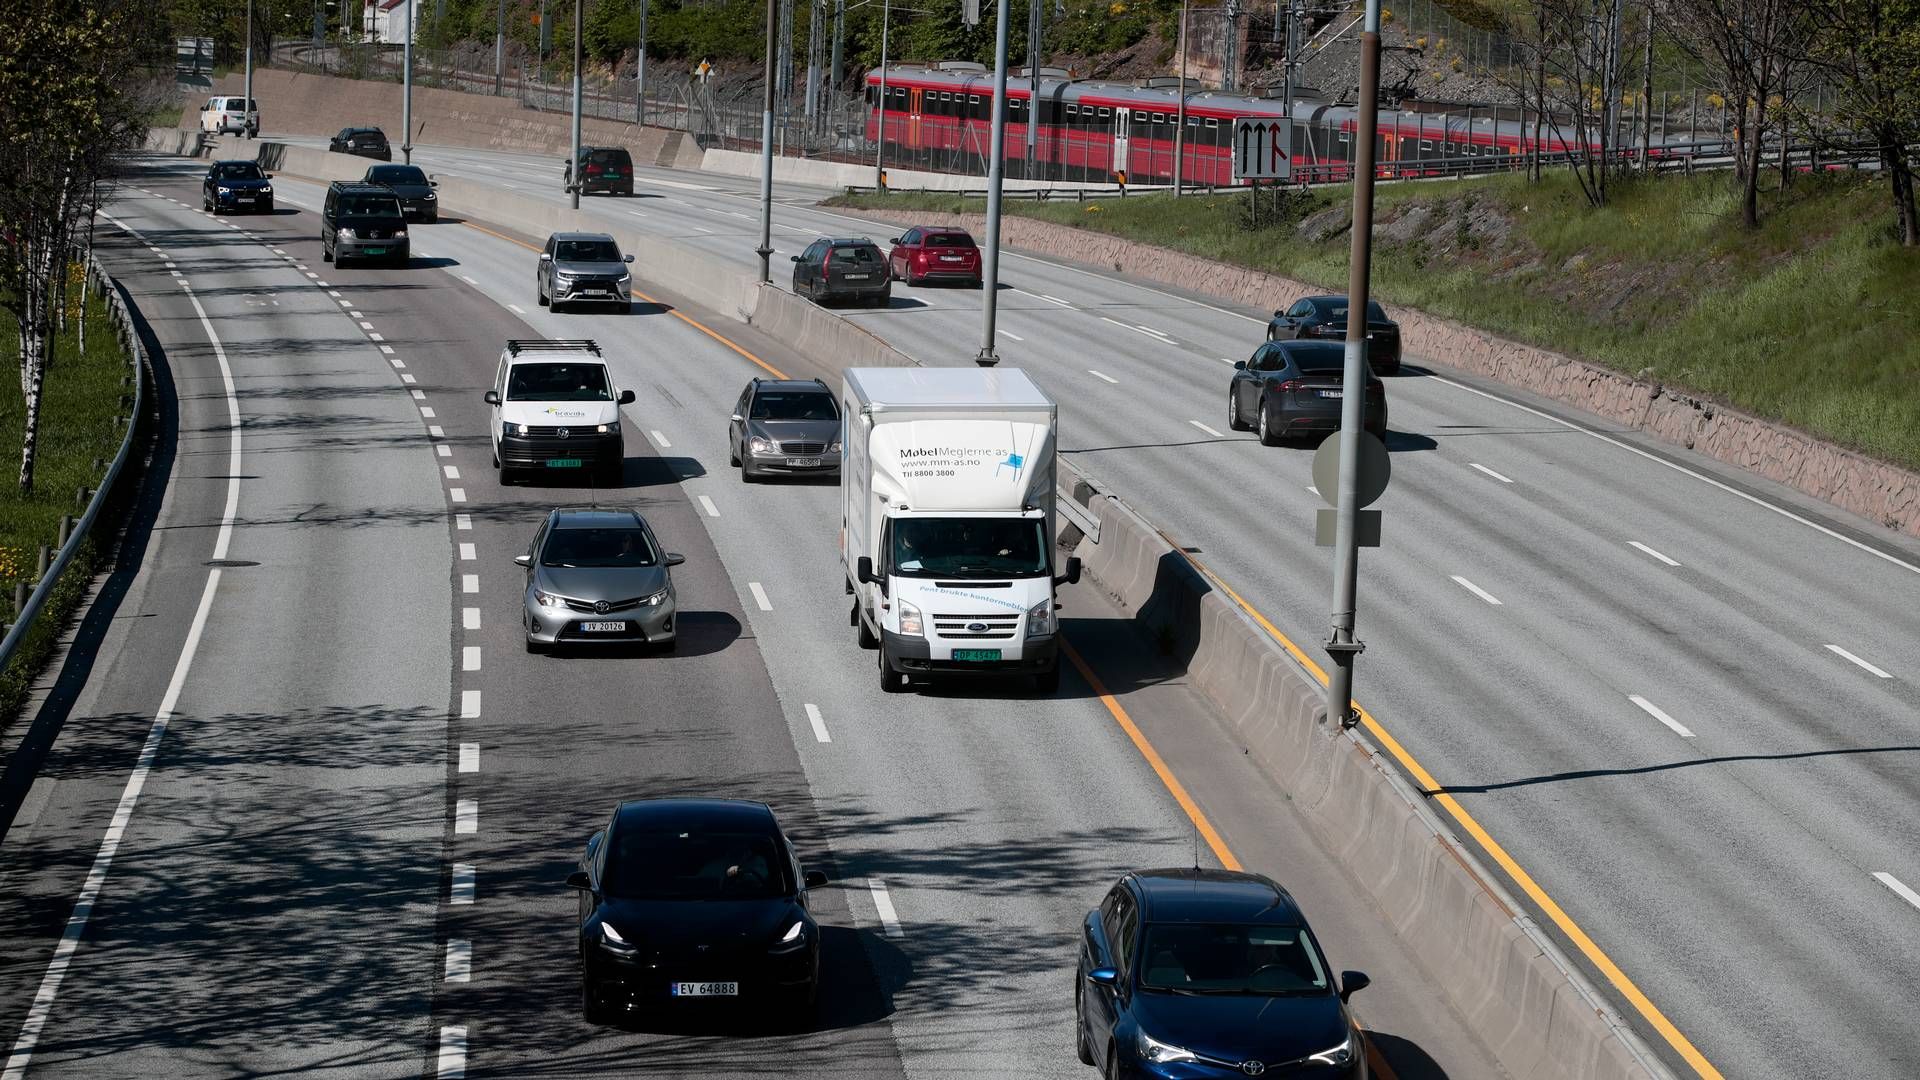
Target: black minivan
[
  {"x": 607, "y": 169},
  {"x": 362, "y": 221},
  {"x": 843, "y": 270}
]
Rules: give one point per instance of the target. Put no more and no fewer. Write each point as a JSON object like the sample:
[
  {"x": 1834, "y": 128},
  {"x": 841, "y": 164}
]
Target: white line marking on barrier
[
  {"x": 1108, "y": 378},
  {"x": 818, "y": 724},
  {"x": 1474, "y": 589},
  {"x": 1899, "y": 887},
  {"x": 1206, "y": 429},
  {"x": 759, "y": 596},
  {"x": 1654, "y": 711},
  {"x": 707, "y": 505},
  {"x": 469, "y": 757},
  {"x": 1842, "y": 652},
  {"x": 466, "y": 817},
  {"x": 1489, "y": 472},
  {"x": 459, "y": 960},
  {"x": 883, "y": 906},
  {"x": 1650, "y": 551}
]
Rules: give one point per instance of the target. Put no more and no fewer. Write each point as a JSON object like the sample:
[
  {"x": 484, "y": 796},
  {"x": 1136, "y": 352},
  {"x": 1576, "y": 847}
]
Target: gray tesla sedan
[{"x": 597, "y": 577}]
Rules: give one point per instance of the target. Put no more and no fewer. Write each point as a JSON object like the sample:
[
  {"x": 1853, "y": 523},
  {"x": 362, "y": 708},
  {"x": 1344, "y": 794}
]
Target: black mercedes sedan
[
  {"x": 1189, "y": 974},
  {"x": 686, "y": 903},
  {"x": 1325, "y": 318},
  {"x": 418, "y": 200},
  {"x": 1293, "y": 388}
]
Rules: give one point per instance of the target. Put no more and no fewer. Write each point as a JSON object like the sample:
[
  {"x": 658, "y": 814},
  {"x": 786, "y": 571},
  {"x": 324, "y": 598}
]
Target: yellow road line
[
  {"x": 668, "y": 308},
  {"x": 1639, "y": 1000}
]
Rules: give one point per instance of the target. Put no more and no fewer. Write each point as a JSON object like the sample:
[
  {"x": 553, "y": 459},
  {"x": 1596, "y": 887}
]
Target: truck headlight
[
  {"x": 1040, "y": 619},
  {"x": 911, "y": 624}
]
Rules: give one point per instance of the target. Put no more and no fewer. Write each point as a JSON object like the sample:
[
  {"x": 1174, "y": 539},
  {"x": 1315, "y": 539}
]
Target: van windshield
[
  {"x": 968, "y": 547},
  {"x": 369, "y": 206},
  {"x": 558, "y": 382}
]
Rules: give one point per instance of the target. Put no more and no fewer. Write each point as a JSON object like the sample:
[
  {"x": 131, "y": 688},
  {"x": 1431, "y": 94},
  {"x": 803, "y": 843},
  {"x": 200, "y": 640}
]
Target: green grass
[
  {"x": 165, "y": 117},
  {"x": 77, "y": 427},
  {"x": 1809, "y": 320}
]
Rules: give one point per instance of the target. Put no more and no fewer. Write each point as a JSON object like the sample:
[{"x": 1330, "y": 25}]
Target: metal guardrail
[{"x": 130, "y": 338}]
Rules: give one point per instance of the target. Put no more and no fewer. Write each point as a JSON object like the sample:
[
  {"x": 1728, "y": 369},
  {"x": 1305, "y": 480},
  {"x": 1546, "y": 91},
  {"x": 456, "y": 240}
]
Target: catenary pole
[
  {"x": 499, "y": 46},
  {"x": 990, "y": 280},
  {"x": 1341, "y": 643},
  {"x": 1180, "y": 114},
  {"x": 246, "y": 113},
  {"x": 880, "y": 111},
  {"x": 765, "y": 249},
  {"x": 1033, "y": 88},
  {"x": 573, "y": 159},
  {"x": 640, "y": 70}
]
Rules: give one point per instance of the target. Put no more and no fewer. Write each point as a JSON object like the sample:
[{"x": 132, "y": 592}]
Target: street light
[
  {"x": 765, "y": 250},
  {"x": 406, "y": 87},
  {"x": 640, "y": 72},
  {"x": 573, "y": 161},
  {"x": 880, "y": 112},
  {"x": 990, "y": 281},
  {"x": 246, "y": 115}
]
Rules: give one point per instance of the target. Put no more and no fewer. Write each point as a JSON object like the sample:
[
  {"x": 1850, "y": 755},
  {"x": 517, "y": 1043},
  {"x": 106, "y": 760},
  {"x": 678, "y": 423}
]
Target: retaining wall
[{"x": 1851, "y": 481}]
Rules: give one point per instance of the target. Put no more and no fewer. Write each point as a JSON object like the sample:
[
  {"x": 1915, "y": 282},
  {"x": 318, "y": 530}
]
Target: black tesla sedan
[
  {"x": 1292, "y": 388},
  {"x": 684, "y": 899},
  {"x": 1187, "y": 974},
  {"x": 1324, "y": 318}
]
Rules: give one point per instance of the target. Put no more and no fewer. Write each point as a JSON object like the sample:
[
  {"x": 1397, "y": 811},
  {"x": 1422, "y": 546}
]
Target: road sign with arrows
[{"x": 1262, "y": 148}]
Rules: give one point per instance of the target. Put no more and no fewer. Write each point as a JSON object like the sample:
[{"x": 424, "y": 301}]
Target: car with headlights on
[
  {"x": 598, "y": 577},
  {"x": 1190, "y": 974},
  {"x": 555, "y": 406},
  {"x": 784, "y": 427},
  {"x": 1292, "y": 388},
  {"x": 236, "y": 185},
  {"x": 418, "y": 200},
  {"x": 1325, "y": 318},
  {"x": 692, "y": 903},
  {"x": 362, "y": 221},
  {"x": 578, "y": 267}
]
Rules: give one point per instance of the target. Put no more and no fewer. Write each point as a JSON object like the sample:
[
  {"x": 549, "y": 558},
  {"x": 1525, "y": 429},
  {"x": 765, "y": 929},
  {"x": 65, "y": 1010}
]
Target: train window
[
  {"x": 1159, "y": 118},
  {"x": 1426, "y": 144},
  {"x": 1105, "y": 112},
  {"x": 1073, "y": 110},
  {"x": 1346, "y": 136}
]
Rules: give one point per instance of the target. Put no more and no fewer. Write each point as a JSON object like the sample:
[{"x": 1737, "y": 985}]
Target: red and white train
[{"x": 940, "y": 117}]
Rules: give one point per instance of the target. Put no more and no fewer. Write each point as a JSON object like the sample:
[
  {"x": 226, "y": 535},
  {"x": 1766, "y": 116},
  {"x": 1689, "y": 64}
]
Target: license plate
[
  {"x": 603, "y": 627},
  {"x": 563, "y": 463},
  {"x": 374, "y": 251},
  {"x": 705, "y": 989},
  {"x": 243, "y": 198},
  {"x": 853, "y": 277},
  {"x": 803, "y": 463},
  {"x": 1331, "y": 393},
  {"x": 976, "y": 654},
  {"x": 952, "y": 258}
]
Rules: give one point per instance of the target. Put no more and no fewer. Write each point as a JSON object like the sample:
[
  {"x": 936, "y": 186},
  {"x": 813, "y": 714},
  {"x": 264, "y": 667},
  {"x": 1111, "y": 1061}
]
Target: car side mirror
[
  {"x": 1104, "y": 976},
  {"x": 523, "y": 559},
  {"x": 626, "y": 397},
  {"x": 266, "y": 176},
  {"x": 545, "y": 257},
  {"x": 793, "y": 258},
  {"x": 1352, "y": 982},
  {"x": 895, "y": 240},
  {"x": 674, "y": 558},
  {"x": 737, "y": 418},
  {"x": 432, "y": 182},
  {"x": 1072, "y": 576},
  {"x": 816, "y": 878},
  {"x": 579, "y": 880},
  {"x": 1279, "y": 314},
  {"x": 626, "y": 258},
  {"x": 863, "y": 569},
  {"x": 491, "y": 397},
  {"x": 1239, "y": 365}
]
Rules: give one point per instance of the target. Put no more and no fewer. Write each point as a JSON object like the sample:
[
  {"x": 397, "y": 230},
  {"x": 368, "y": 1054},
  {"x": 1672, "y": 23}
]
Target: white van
[
  {"x": 555, "y": 407},
  {"x": 221, "y": 115}
]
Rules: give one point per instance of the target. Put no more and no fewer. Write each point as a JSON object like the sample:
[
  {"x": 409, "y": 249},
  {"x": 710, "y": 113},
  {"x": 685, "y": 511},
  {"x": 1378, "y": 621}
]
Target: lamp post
[
  {"x": 880, "y": 112},
  {"x": 499, "y": 46},
  {"x": 765, "y": 250},
  {"x": 640, "y": 71},
  {"x": 246, "y": 117},
  {"x": 1033, "y": 87},
  {"x": 573, "y": 159},
  {"x": 1180, "y": 114},
  {"x": 406, "y": 87},
  {"x": 990, "y": 280}
]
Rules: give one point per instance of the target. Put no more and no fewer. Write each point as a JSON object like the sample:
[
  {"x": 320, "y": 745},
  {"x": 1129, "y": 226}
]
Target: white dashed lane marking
[
  {"x": 707, "y": 505},
  {"x": 452, "y": 1063},
  {"x": 466, "y": 817},
  {"x": 1105, "y": 378},
  {"x": 470, "y": 618},
  {"x": 459, "y": 960},
  {"x": 1899, "y": 887},
  {"x": 1838, "y": 651},
  {"x": 1471, "y": 587},
  {"x": 1655, "y": 712},
  {"x": 1206, "y": 429},
  {"x": 818, "y": 724},
  {"x": 883, "y": 906},
  {"x": 469, "y": 757},
  {"x": 469, "y": 704},
  {"x": 470, "y": 583},
  {"x": 463, "y": 886},
  {"x": 470, "y": 658},
  {"x": 1489, "y": 472},
  {"x": 1644, "y": 548},
  {"x": 759, "y": 596}
]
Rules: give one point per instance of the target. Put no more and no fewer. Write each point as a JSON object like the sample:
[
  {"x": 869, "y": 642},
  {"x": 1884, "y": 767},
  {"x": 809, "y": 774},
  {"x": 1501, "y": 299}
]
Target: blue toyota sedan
[{"x": 1195, "y": 974}]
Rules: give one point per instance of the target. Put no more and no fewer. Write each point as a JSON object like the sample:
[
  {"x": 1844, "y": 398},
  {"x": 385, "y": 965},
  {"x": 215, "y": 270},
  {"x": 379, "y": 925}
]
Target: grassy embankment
[
  {"x": 77, "y": 428},
  {"x": 1813, "y": 319}
]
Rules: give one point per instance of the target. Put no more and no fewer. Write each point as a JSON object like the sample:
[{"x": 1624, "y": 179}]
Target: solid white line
[
  {"x": 1474, "y": 589},
  {"x": 1054, "y": 300},
  {"x": 469, "y": 757},
  {"x": 459, "y": 960},
  {"x": 707, "y": 505},
  {"x": 697, "y": 228},
  {"x": 1842, "y": 652},
  {"x": 1899, "y": 887},
  {"x": 516, "y": 309},
  {"x": 1489, "y": 472},
  {"x": 452, "y": 471},
  {"x": 458, "y": 495},
  {"x": 1654, "y": 711},
  {"x": 883, "y": 904},
  {"x": 467, "y": 551},
  {"x": 1008, "y": 334},
  {"x": 453, "y": 1054},
  {"x": 466, "y": 817},
  {"x": 470, "y": 658},
  {"x": 1650, "y": 551},
  {"x": 1155, "y": 333},
  {"x": 463, "y": 886},
  {"x": 461, "y": 521},
  {"x": 759, "y": 596},
  {"x": 470, "y": 583},
  {"x": 470, "y": 618},
  {"x": 468, "y": 280},
  {"x": 1162, "y": 339},
  {"x": 819, "y": 725},
  {"x": 469, "y": 704},
  {"x": 1108, "y": 378},
  {"x": 636, "y": 213},
  {"x": 1206, "y": 429},
  {"x": 661, "y": 439},
  {"x": 1683, "y": 470}
]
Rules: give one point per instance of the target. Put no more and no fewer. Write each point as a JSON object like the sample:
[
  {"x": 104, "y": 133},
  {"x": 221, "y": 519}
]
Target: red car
[{"x": 921, "y": 255}]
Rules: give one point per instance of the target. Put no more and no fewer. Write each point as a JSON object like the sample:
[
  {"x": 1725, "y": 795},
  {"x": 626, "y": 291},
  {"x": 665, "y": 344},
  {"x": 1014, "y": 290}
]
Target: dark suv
[
  {"x": 362, "y": 221},
  {"x": 1294, "y": 388},
  {"x": 1325, "y": 318},
  {"x": 237, "y": 185},
  {"x": 832, "y": 270},
  {"x": 362, "y": 142},
  {"x": 607, "y": 169}
]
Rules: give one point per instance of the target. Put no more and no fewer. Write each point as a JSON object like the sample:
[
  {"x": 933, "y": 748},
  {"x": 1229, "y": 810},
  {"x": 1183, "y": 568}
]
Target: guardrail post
[
  {"x": 66, "y": 528},
  {"x": 19, "y": 601},
  {"x": 40, "y": 564}
]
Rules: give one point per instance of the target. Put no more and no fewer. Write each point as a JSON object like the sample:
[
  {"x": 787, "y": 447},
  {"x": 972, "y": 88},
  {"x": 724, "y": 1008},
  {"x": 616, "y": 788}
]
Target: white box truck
[{"x": 947, "y": 541}]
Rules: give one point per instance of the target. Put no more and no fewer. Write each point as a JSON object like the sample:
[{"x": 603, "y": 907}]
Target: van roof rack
[{"x": 516, "y": 346}]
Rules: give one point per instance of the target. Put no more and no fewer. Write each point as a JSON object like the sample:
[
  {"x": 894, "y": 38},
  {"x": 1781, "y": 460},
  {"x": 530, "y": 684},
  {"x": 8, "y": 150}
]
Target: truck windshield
[{"x": 968, "y": 547}]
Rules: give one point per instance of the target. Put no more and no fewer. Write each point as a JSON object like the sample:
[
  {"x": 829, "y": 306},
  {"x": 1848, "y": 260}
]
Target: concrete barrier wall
[{"x": 1510, "y": 983}]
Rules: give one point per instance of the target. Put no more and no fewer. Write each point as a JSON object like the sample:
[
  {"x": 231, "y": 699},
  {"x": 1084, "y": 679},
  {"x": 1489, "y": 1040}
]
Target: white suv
[
  {"x": 555, "y": 407},
  {"x": 221, "y": 115}
]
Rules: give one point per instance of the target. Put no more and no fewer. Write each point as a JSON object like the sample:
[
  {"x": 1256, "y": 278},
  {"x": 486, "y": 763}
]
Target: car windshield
[
  {"x": 374, "y": 206},
  {"x": 959, "y": 240},
  {"x": 671, "y": 864},
  {"x": 558, "y": 382},
  {"x": 860, "y": 254},
  {"x": 398, "y": 174},
  {"x": 238, "y": 170},
  {"x": 623, "y": 547},
  {"x": 586, "y": 251},
  {"x": 968, "y": 547},
  {"x": 808, "y": 405},
  {"x": 1224, "y": 958}
]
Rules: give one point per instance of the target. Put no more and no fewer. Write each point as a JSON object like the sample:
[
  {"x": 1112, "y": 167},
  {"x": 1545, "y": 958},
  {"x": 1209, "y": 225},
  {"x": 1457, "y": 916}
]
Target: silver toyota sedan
[{"x": 598, "y": 577}]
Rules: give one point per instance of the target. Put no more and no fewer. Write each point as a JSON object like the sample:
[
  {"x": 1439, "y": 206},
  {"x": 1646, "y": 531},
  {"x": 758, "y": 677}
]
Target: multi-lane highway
[
  {"x": 311, "y": 811},
  {"x": 1680, "y": 698}
]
